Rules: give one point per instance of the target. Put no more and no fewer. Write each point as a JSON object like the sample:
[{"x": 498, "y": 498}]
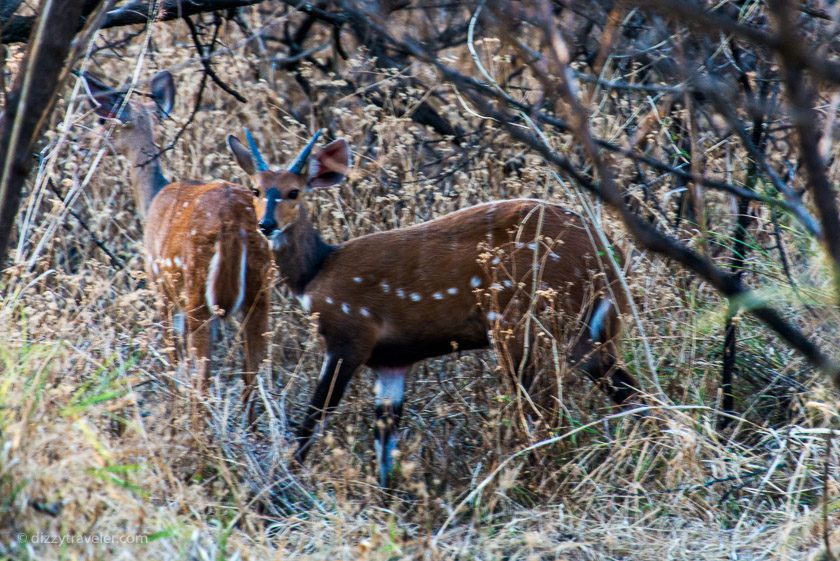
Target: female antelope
[
  {"x": 203, "y": 250},
  {"x": 390, "y": 299}
]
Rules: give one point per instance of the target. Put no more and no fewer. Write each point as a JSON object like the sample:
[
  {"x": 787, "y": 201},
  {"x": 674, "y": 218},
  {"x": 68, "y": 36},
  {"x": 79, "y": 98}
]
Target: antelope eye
[
  {"x": 293, "y": 194},
  {"x": 256, "y": 192}
]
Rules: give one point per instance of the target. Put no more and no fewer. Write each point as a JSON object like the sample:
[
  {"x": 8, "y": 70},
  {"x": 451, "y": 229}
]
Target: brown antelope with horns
[
  {"x": 390, "y": 299},
  {"x": 203, "y": 249}
]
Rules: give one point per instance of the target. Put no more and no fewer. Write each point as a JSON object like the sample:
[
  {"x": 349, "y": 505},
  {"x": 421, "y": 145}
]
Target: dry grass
[{"x": 81, "y": 355}]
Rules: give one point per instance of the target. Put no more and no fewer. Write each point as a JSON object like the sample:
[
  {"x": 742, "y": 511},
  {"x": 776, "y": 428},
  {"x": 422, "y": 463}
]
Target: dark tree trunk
[{"x": 31, "y": 100}]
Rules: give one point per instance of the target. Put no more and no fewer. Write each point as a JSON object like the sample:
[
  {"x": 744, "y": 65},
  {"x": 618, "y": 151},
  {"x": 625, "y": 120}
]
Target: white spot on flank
[
  {"x": 345, "y": 307},
  {"x": 365, "y": 312},
  {"x": 386, "y": 288},
  {"x": 212, "y": 275},
  {"x": 415, "y": 297},
  {"x": 305, "y": 302},
  {"x": 358, "y": 280},
  {"x": 475, "y": 282},
  {"x": 329, "y": 300},
  {"x": 438, "y": 295},
  {"x": 186, "y": 204},
  {"x": 400, "y": 293},
  {"x": 193, "y": 232},
  {"x": 452, "y": 290},
  {"x": 493, "y": 316}
]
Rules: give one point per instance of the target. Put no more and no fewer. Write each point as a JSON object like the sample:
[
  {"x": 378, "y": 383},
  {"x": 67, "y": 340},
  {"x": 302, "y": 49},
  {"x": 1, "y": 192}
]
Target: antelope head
[
  {"x": 136, "y": 118},
  {"x": 134, "y": 136},
  {"x": 280, "y": 194}
]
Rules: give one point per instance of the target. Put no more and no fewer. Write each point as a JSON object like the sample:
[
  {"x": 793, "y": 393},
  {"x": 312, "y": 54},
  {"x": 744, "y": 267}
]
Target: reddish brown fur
[
  {"x": 186, "y": 225},
  {"x": 392, "y": 298},
  {"x": 429, "y": 259}
]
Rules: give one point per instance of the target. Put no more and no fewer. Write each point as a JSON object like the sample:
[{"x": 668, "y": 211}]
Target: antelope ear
[
  {"x": 105, "y": 100},
  {"x": 163, "y": 92},
  {"x": 330, "y": 165},
  {"x": 241, "y": 154}
]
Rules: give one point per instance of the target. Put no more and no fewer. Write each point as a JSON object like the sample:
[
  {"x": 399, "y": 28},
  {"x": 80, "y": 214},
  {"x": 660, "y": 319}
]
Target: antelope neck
[
  {"x": 147, "y": 174},
  {"x": 302, "y": 254}
]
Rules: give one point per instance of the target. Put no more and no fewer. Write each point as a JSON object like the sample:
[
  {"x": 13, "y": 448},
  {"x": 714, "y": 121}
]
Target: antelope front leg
[
  {"x": 336, "y": 373},
  {"x": 390, "y": 390}
]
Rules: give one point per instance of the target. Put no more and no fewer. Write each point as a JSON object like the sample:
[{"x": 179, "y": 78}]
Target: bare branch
[
  {"x": 791, "y": 203},
  {"x": 643, "y": 232},
  {"x": 805, "y": 116},
  {"x": 712, "y": 23},
  {"x": 16, "y": 29},
  {"x": 205, "y": 60}
]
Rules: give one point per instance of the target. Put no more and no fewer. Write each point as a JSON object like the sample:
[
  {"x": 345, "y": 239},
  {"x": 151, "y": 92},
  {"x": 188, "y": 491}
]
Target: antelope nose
[{"x": 267, "y": 226}]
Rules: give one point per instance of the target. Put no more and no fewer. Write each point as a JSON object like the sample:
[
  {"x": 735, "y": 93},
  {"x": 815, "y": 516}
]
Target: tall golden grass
[{"x": 88, "y": 451}]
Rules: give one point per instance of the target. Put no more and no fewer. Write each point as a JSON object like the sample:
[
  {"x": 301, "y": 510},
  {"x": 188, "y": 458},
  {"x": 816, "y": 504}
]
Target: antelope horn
[
  {"x": 255, "y": 152},
  {"x": 297, "y": 165}
]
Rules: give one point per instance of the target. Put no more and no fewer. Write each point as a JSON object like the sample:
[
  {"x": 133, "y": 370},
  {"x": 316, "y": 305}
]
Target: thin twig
[
  {"x": 116, "y": 261},
  {"x": 205, "y": 61}
]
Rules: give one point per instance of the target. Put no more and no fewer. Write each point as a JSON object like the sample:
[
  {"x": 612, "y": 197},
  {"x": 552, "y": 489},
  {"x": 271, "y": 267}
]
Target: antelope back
[{"x": 200, "y": 239}]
